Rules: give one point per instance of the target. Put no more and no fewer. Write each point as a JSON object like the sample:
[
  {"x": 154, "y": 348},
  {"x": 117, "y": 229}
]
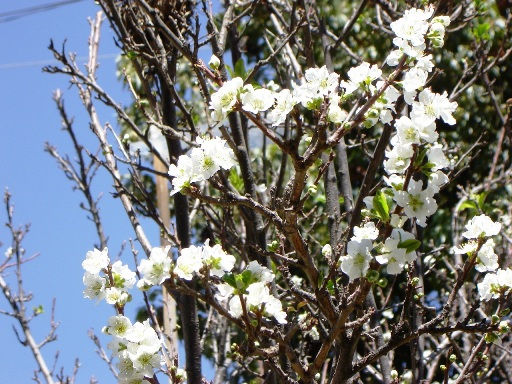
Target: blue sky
[{"x": 42, "y": 195}]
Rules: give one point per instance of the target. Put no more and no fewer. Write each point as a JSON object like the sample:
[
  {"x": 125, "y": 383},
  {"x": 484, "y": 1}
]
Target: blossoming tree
[{"x": 304, "y": 183}]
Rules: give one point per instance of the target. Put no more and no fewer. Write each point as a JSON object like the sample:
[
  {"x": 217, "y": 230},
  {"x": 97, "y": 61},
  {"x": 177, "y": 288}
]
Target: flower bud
[
  {"x": 327, "y": 250},
  {"x": 273, "y": 246},
  {"x": 214, "y": 62},
  {"x": 490, "y": 337},
  {"x": 504, "y": 327},
  {"x": 372, "y": 276}
]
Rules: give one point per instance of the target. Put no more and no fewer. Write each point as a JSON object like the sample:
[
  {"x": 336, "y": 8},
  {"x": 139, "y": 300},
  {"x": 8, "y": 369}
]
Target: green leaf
[
  {"x": 247, "y": 277},
  {"x": 428, "y": 167},
  {"x": 468, "y": 204},
  {"x": 481, "y": 31},
  {"x": 381, "y": 207},
  {"x": 131, "y": 54},
  {"x": 330, "y": 287},
  {"x": 236, "y": 180},
  {"x": 240, "y": 69},
  {"x": 420, "y": 157},
  {"x": 239, "y": 282},
  {"x": 320, "y": 280},
  {"x": 230, "y": 279},
  {"x": 481, "y": 199},
  {"x": 410, "y": 245},
  {"x": 230, "y": 71},
  {"x": 38, "y": 310}
]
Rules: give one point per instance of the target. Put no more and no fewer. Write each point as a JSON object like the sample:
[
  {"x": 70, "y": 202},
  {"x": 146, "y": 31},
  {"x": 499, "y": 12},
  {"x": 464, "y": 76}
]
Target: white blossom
[
  {"x": 182, "y": 173},
  {"x": 118, "y": 326},
  {"x": 436, "y": 180},
  {"x": 204, "y": 161},
  {"x": 394, "y": 57},
  {"x": 143, "y": 334},
  {"x": 411, "y": 133},
  {"x": 432, "y": 106},
  {"x": 494, "y": 284},
  {"x": 394, "y": 256},
  {"x": 285, "y": 102},
  {"x": 437, "y": 157},
  {"x": 335, "y": 114},
  {"x": 481, "y": 226},
  {"x": 357, "y": 261},
  {"x": 487, "y": 259},
  {"x": 256, "y": 100},
  {"x": 94, "y": 286},
  {"x": 468, "y": 247},
  {"x": 260, "y": 273},
  {"x": 413, "y": 25},
  {"x": 225, "y": 292},
  {"x": 274, "y": 308},
  {"x": 235, "y": 307},
  {"x": 127, "y": 372},
  {"x": 204, "y": 165},
  {"x": 96, "y": 260},
  {"x": 321, "y": 81},
  {"x": 145, "y": 360},
  {"x": 425, "y": 63},
  {"x": 156, "y": 269},
  {"x": 217, "y": 260},
  {"x": 257, "y": 294},
  {"x": 9, "y": 252},
  {"x": 398, "y": 158},
  {"x": 223, "y": 101},
  {"x": 367, "y": 231},
  {"x": 217, "y": 150},
  {"x": 189, "y": 262},
  {"x": 114, "y": 295},
  {"x": 417, "y": 202},
  {"x": 395, "y": 181},
  {"x": 361, "y": 77},
  {"x": 123, "y": 275},
  {"x": 414, "y": 79}
]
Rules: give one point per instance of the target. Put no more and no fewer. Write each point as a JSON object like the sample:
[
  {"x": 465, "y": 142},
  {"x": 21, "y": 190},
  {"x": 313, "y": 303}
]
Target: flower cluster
[
  {"x": 193, "y": 259},
  {"x": 317, "y": 85},
  {"x": 202, "y": 163},
  {"x": 156, "y": 269},
  {"x": 480, "y": 248},
  {"x": 397, "y": 251},
  {"x": 103, "y": 280},
  {"x": 414, "y": 147},
  {"x": 136, "y": 346},
  {"x": 477, "y": 229},
  {"x": 248, "y": 292},
  {"x": 416, "y": 135}
]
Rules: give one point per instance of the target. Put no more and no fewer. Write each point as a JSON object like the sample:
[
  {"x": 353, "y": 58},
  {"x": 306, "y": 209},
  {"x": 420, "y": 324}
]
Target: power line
[
  {"x": 39, "y": 63},
  {"x": 23, "y": 12}
]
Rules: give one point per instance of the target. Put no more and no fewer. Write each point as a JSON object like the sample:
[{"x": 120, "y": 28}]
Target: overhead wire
[
  {"x": 39, "y": 63},
  {"x": 23, "y": 12}
]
